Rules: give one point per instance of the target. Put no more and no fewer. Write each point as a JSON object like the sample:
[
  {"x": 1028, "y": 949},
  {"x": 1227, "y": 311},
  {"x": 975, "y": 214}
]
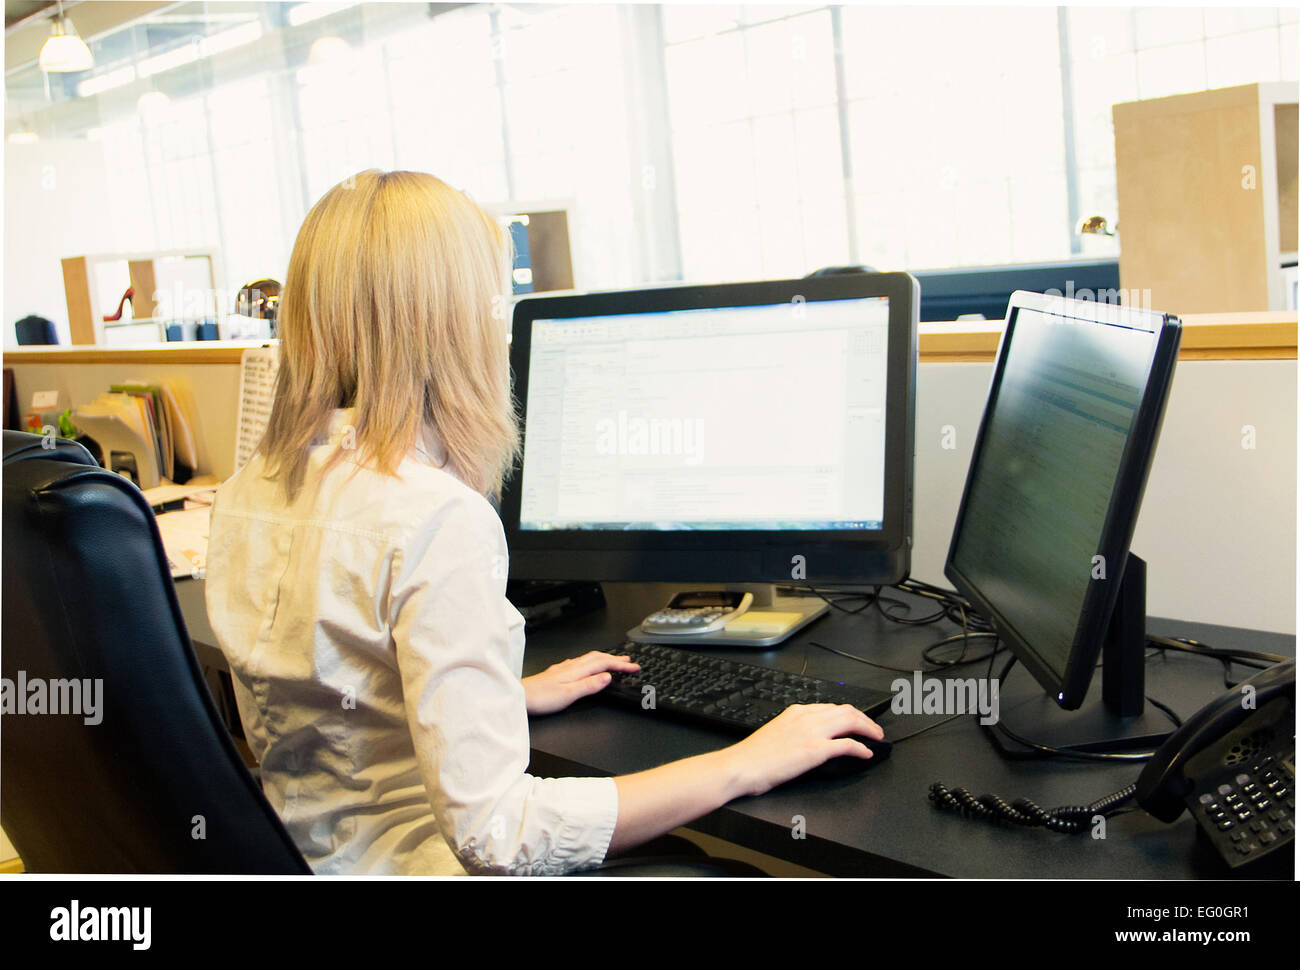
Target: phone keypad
[{"x": 1249, "y": 813}]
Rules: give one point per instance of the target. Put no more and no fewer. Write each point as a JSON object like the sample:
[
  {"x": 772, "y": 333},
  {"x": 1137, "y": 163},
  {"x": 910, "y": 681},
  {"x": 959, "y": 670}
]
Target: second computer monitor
[
  {"x": 1041, "y": 542},
  {"x": 737, "y": 433}
]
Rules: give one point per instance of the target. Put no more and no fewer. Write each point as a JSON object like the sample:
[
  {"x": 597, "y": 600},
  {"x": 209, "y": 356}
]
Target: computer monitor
[
  {"x": 1041, "y": 542},
  {"x": 754, "y": 433}
]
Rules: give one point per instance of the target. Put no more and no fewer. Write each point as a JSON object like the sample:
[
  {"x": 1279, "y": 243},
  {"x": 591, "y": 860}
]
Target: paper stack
[{"x": 142, "y": 431}]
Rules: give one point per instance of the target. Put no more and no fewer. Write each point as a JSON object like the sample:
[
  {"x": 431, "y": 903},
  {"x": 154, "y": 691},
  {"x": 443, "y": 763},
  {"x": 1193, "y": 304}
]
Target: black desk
[{"x": 880, "y": 823}]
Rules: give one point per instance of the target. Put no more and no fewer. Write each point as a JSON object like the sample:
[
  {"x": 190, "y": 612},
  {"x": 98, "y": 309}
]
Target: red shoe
[{"x": 128, "y": 295}]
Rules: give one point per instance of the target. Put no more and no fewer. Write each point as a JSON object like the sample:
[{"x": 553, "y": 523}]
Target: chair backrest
[
  {"x": 146, "y": 777},
  {"x": 35, "y": 330}
]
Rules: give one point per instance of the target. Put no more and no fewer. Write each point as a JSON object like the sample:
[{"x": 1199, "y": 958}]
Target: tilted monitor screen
[
  {"x": 721, "y": 425},
  {"x": 1056, "y": 478}
]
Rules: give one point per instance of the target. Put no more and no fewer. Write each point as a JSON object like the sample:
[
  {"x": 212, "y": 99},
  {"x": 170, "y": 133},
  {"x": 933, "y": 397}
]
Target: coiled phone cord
[{"x": 1069, "y": 819}]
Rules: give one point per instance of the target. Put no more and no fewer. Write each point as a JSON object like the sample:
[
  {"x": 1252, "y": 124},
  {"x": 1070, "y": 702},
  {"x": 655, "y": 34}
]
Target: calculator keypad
[{"x": 684, "y": 620}]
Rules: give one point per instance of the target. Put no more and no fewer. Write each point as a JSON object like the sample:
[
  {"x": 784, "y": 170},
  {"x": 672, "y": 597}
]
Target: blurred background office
[{"x": 682, "y": 141}]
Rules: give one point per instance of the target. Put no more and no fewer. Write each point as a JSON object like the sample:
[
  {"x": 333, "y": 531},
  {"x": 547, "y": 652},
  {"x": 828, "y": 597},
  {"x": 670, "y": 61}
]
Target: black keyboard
[{"x": 735, "y": 697}]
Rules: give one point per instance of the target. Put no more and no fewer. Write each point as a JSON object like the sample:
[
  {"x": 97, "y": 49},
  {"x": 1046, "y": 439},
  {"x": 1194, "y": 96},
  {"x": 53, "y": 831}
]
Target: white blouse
[{"x": 377, "y": 666}]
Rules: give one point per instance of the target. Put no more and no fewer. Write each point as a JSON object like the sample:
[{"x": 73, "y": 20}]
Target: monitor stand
[
  {"x": 1118, "y": 721},
  {"x": 770, "y": 620}
]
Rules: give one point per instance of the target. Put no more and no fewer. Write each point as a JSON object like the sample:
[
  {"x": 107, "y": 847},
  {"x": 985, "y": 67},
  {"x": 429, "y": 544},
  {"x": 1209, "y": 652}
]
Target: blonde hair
[{"x": 394, "y": 304}]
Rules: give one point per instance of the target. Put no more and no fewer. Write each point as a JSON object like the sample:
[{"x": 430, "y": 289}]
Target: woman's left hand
[{"x": 558, "y": 686}]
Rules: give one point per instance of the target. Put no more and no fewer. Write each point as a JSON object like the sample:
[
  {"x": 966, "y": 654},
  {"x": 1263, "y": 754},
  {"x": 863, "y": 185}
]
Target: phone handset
[{"x": 1232, "y": 764}]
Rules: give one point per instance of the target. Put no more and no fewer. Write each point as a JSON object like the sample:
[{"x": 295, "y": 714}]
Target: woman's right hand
[{"x": 799, "y": 739}]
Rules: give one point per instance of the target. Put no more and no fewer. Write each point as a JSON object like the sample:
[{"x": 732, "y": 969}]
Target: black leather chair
[{"x": 156, "y": 786}]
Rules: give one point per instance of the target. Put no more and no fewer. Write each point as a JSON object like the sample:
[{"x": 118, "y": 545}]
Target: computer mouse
[{"x": 847, "y": 765}]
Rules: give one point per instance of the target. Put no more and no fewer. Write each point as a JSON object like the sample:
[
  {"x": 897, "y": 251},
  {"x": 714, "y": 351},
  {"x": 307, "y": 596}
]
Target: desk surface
[{"x": 880, "y": 823}]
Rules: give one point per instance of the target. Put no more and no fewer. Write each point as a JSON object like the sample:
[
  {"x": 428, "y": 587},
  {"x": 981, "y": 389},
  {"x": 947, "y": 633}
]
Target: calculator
[{"x": 704, "y": 611}]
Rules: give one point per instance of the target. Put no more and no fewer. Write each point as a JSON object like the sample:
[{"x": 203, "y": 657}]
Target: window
[
  {"x": 703, "y": 142},
  {"x": 756, "y": 141}
]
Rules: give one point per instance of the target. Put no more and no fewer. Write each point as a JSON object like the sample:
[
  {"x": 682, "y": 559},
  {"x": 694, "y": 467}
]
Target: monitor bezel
[
  {"x": 749, "y": 556},
  {"x": 1071, "y": 687}
]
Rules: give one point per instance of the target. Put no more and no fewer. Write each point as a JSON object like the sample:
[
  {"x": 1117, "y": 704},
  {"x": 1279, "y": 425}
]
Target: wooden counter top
[{"x": 1266, "y": 335}]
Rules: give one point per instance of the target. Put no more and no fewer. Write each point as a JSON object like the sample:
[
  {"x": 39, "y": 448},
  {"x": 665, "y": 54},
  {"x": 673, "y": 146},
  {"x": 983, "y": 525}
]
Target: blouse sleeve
[{"x": 465, "y": 706}]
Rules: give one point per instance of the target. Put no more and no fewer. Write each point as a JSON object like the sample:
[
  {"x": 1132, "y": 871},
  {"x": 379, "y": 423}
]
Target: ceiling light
[
  {"x": 324, "y": 50},
  {"x": 64, "y": 52},
  {"x": 153, "y": 106}
]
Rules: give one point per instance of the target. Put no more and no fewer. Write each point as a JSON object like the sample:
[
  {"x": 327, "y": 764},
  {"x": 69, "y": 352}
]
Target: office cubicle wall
[
  {"x": 1218, "y": 523},
  {"x": 208, "y": 392},
  {"x": 1218, "y": 526}
]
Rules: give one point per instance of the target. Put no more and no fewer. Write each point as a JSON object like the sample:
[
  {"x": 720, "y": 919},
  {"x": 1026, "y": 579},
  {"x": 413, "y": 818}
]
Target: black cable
[
  {"x": 952, "y": 605},
  {"x": 1232, "y": 653},
  {"x": 928, "y": 727},
  {"x": 958, "y": 610},
  {"x": 1067, "y": 819},
  {"x": 1041, "y": 751},
  {"x": 862, "y": 660},
  {"x": 940, "y": 664},
  {"x": 964, "y": 636},
  {"x": 835, "y": 605},
  {"x": 934, "y": 618},
  {"x": 950, "y": 600},
  {"x": 1169, "y": 712},
  {"x": 1252, "y": 659},
  {"x": 971, "y": 623}
]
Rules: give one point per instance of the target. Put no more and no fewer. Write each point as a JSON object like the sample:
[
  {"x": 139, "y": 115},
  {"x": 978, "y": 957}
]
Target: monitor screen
[
  {"x": 715, "y": 432},
  {"x": 768, "y": 417},
  {"x": 1055, "y": 481}
]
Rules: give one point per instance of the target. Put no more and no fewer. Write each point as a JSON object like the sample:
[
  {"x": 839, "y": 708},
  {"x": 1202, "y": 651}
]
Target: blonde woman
[{"x": 356, "y": 575}]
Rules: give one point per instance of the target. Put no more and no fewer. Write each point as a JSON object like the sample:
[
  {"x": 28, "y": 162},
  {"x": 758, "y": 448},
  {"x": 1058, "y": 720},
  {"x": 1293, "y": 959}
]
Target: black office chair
[
  {"x": 34, "y": 330},
  {"x": 157, "y": 785}
]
